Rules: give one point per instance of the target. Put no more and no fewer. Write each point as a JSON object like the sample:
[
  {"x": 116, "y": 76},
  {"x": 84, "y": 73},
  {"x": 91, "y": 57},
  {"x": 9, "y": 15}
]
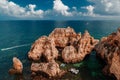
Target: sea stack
[
  {"x": 17, "y": 66},
  {"x": 64, "y": 43},
  {"x": 109, "y": 50}
]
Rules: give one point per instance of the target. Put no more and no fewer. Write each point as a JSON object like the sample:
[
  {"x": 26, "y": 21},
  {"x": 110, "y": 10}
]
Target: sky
[{"x": 59, "y": 9}]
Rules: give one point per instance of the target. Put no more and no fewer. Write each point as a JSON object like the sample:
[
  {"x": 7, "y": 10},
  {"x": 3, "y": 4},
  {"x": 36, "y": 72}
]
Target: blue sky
[{"x": 59, "y": 10}]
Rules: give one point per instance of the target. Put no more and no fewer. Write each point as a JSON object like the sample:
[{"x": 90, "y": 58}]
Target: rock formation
[
  {"x": 64, "y": 36},
  {"x": 77, "y": 53},
  {"x": 71, "y": 47},
  {"x": 63, "y": 42},
  {"x": 43, "y": 47},
  {"x": 109, "y": 50},
  {"x": 51, "y": 69},
  {"x": 17, "y": 66},
  {"x": 69, "y": 54}
]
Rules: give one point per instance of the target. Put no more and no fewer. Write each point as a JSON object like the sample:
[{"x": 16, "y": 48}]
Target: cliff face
[
  {"x": 109, "y": 50},
  {"x": 63, "y": 42}
]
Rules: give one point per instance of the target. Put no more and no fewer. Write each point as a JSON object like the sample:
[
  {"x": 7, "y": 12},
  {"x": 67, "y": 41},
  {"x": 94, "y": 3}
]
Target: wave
[{"x": 13, "y": 47}]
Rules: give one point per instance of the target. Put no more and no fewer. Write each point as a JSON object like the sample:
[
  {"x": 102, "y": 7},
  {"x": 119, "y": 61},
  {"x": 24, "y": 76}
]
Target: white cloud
[
  {"x": 9, "y": 8},
  {"x": 59, "y": 7},
  {"x": 90, "y": 11},
  {"x": 33, "y": 13},
  {"x": 101, "y": 9},
  {"x": 107, "y": 7},
  {"x": 74, "y": 8}
]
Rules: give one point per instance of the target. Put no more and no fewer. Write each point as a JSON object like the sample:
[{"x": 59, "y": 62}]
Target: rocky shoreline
[{"x": 67, "y": 46}]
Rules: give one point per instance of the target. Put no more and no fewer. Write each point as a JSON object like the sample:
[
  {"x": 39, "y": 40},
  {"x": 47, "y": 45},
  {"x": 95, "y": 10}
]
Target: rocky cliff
[{"x": 109, "y": 50}]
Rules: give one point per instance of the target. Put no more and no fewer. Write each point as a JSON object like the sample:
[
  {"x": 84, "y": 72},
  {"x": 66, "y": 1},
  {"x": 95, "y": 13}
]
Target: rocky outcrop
[
  {"x": 51, "y": 69},
  {"x": 86, "y": 44},
  {"x": 62, "y": 42},
  {"x": 69, "y": 54},
  {"x": 64, "y": 36},
  {"x": 17, "y": 66},
  {"x": 77, "y": 53},
  {"x": 43, "y": 47},
  {"x": 109, "y": 50}
]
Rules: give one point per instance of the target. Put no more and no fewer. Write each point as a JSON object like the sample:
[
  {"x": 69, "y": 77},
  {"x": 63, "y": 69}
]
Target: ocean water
[{"x": 16, "y": 37}]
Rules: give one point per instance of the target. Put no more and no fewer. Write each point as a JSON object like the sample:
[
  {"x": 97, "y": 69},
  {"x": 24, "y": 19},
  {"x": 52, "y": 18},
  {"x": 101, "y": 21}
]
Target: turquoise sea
[{"x": 16, "y": 37}]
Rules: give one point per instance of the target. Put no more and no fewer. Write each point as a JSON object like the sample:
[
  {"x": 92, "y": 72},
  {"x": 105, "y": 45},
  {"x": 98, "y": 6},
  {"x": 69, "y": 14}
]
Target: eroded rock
[
  {"x": 17, "y": 66},
  {"x": 64, "y": 36},
  {"x": 109, "y": 50},
  {"x": 85, "y": 45},
  {"x": 70, "y": 54},
  {"x": 45, "y": 47},
  {"x": 51, "y": 68},
  {"x": 66, "y": 43},
  {"x": 75, "y": 47}
]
